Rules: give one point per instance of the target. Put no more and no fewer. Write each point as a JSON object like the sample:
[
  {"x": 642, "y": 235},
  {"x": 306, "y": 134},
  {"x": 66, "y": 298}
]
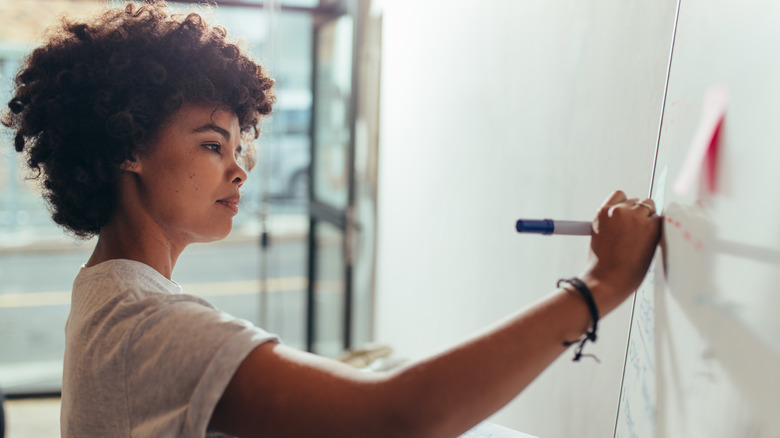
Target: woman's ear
[{"x": 133, "y": 165}]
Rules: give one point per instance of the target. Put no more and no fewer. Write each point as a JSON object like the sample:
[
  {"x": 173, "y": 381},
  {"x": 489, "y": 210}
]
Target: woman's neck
[{"x": 125, "y": 238}]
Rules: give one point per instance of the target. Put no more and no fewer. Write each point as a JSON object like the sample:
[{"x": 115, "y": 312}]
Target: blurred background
[{"x": 287, "y": 232}]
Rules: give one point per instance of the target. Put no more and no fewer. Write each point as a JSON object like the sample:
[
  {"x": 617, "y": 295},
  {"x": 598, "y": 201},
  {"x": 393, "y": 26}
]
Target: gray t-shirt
[{"x": 144, "y": 360}]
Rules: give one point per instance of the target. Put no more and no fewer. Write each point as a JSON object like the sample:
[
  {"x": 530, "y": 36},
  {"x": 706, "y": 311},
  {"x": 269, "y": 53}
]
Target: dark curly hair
[{"x": 97, "y": 92}]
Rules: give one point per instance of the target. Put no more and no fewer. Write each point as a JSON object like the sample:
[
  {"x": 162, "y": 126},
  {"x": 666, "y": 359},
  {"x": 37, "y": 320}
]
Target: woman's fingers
[
  {"x": 648, "y": 204},
  {"x": 615, "y": 198}
]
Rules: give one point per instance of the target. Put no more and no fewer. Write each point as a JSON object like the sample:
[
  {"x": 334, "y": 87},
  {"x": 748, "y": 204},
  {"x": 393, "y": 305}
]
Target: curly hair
[{"x": 97, "y": 92}]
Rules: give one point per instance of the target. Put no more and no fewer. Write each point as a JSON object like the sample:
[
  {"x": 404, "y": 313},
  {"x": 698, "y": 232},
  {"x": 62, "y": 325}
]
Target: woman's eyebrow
[{"x": 214, "y": 128}]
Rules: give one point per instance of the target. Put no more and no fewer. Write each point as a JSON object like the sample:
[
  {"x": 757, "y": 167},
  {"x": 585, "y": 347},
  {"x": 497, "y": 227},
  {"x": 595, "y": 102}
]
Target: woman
[{"x": 135, "y": 122}]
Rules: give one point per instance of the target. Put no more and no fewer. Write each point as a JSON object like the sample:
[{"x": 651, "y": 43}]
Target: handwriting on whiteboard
[{"x": 637, "y": 407}]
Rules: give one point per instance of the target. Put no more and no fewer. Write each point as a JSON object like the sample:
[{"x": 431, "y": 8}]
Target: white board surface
[{"x": 704, "y": 348}]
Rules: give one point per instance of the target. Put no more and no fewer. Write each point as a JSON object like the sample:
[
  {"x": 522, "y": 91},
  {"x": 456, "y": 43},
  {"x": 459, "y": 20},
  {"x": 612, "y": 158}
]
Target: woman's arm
[{"x": 279, "y": 391}]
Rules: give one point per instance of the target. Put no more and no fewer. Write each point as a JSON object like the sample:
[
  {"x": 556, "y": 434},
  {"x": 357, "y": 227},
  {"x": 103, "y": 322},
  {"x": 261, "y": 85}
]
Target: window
[{"x": 263, "y": 284}]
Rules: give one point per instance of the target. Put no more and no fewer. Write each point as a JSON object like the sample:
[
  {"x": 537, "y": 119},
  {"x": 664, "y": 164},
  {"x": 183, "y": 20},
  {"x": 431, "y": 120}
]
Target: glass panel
[
  {"x": 38, "y": 262},
  {"x": 329, "y": 290},
  {"x": 34, "y": 305},
  {"x": 332, "y": 124},
  {"x": 283, "y": 299}
]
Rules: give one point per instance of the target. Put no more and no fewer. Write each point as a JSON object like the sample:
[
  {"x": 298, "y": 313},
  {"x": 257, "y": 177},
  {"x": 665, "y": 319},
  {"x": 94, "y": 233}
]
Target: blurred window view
[{"x": 265, "y": 284}]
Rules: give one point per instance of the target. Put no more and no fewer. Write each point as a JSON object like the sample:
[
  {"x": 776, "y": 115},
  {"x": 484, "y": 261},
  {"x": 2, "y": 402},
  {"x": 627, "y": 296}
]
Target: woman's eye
[{"x": 216, "y": 147}]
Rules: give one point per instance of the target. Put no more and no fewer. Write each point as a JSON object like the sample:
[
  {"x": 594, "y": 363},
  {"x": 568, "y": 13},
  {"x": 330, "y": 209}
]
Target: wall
[{"x": 491, "y": 112}]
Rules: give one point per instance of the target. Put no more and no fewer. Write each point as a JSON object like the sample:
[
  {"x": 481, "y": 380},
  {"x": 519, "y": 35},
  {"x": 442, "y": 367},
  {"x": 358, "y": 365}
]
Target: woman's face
[{"x": 188, "y": 182}]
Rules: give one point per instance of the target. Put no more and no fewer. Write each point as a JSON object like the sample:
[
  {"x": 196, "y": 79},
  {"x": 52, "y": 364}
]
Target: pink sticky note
[
  {"x": 705, "y": 142},
  {"x": 711, "y": 159}
]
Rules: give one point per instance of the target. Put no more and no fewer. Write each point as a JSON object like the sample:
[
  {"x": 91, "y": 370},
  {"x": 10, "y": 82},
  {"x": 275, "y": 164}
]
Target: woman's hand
[{"x": 625, "y": 234}]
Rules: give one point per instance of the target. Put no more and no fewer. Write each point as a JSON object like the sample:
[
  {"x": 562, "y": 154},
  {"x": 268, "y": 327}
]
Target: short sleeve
[{"x": 181, "y": 356}]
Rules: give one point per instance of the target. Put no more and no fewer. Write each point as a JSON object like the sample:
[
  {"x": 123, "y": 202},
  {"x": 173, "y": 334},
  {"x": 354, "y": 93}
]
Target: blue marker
[{"x": 549, "y": 226}]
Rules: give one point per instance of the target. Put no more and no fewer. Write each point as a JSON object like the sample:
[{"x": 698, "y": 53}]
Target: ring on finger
[{"x": 644, "y": 204}]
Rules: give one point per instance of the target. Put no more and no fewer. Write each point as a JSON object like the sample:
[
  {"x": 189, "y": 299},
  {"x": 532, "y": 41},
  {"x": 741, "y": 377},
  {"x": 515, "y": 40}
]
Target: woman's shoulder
[
  {"x": 130, "y": 293},
  {"x": 125, "y": 274}
]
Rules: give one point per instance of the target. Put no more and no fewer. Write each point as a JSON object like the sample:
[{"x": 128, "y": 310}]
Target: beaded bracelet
[{"x": 580, "y": 287}]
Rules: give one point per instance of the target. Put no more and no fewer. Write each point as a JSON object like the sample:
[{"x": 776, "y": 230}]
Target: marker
[{"x": 549, "y": 226}]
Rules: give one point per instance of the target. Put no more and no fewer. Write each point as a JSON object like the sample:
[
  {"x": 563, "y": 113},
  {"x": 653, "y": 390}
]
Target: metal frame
[
  {"x": 333, "y": 9},
  {"x": 320, "y": 212}
]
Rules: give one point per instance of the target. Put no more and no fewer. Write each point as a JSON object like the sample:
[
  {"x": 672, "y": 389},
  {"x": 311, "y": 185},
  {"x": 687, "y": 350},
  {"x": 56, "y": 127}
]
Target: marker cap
[{"x": 544, "y": 226}]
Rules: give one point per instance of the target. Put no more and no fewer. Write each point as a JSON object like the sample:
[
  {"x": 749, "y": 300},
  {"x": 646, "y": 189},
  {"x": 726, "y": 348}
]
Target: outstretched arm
[{"x": 279, "y": 391}]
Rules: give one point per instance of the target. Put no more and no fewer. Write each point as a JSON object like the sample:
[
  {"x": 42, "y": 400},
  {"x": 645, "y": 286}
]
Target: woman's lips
[{"x": 231, "y": 203}]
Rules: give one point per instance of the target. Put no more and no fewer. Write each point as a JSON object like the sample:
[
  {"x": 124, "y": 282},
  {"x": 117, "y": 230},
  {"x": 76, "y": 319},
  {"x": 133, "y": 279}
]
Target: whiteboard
[{"x": 704, "y": 345}]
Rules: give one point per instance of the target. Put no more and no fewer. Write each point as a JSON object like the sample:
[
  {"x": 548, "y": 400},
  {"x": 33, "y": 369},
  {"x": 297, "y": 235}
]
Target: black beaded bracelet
[{"x": 580, "y": 286}]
